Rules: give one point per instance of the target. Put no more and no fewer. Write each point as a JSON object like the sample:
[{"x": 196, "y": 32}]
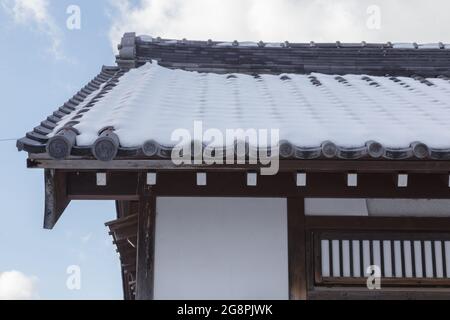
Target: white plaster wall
[
  {"x": 409, "y": 207},
  {"x": 221, "y": 248},
  {"x": 335, "y": 207}
]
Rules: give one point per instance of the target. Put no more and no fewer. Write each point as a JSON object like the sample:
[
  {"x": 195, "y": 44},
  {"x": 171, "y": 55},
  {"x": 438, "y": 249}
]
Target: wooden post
[
  {"x": 56, "y": 199},
  {"x": 146, "y": 241},
  {"x": 297, "y": 249}
]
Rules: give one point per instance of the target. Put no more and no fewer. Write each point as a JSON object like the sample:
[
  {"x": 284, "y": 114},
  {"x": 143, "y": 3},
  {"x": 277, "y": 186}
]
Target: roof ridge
[
  {"x": 287, "y": 44},
  {"x": 396, "y": 59}
]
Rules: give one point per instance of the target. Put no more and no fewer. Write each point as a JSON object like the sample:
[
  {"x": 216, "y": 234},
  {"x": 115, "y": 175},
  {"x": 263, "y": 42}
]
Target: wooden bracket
[{"x": 56, "y": 200}]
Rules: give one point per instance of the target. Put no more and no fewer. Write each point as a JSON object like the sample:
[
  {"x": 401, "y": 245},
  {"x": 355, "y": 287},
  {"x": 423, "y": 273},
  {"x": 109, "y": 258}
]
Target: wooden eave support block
[
  {"x": 101, "y": 179},
  {"x": 352, "y": 180},
  {"x": 301, "y": 179},
  {"x": 402, "y": 180},
  {"x": 151, "y": 178},
  {"x": 201, "y": 179},
  {"x": 252, "y": 179}
]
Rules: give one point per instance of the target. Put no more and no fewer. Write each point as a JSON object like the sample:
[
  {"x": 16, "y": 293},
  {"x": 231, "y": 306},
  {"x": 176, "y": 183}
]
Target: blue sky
[
  {"x": 42, "y": 64},
  {"x": 34, "y": 82}
]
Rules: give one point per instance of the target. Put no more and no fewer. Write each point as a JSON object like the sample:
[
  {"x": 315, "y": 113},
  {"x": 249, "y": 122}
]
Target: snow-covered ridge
[{"x": 394, "y": 45}]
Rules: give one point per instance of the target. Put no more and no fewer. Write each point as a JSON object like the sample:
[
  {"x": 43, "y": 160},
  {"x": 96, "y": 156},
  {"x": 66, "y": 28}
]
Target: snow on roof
[
  {"x": 353, "y": 100},
  {"x": 150, "y": 102}
]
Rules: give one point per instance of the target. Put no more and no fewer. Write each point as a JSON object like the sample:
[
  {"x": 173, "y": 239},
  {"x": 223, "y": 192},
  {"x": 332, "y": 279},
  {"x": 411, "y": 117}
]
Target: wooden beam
[
  {"x": 387, "y": 282},
  {"x": 146, "y": 242},
  {"x": 395, "y": 224},
  {"x": 348, "y": 293},
  {"x": 319, "y": 165},
  {"x": 320, "y": 185},
  {"x": 123, "y": 185},
  {"x": 56, "y": 199},
  {"x": 296, "y": 249}
]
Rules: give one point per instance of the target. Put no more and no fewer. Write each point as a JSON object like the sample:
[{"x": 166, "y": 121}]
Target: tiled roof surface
[
  {"x": 334, "y": 113},
  {"x": 35, "y": 141},
  {"x": 351, "y": 116}
]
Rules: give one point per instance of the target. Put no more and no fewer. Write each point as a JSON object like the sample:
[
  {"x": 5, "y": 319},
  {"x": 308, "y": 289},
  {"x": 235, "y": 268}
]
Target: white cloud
[
  {"x": 14, "y": 285},
  {"x": 35, "y": 15},
  {"x": 279, "y": 20}
]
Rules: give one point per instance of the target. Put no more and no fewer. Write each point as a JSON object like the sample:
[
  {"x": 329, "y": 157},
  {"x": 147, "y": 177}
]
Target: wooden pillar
[
  {"x": 297, "y": 248},
  {"x": 145, "y": 242}
]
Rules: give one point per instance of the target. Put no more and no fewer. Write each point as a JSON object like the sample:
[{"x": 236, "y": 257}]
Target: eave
[{"x": 41, "y": 161}]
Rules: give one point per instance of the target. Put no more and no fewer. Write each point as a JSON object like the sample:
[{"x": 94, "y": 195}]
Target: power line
[{"x": 7, "y": 140}]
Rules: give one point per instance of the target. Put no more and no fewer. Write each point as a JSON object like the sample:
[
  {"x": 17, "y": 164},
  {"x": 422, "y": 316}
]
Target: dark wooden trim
[
  {"x": 387, "y": 282},
  {"x": 56, "y": 199},
  {"x": 381, "y": 234},
  {"x": 296, "y": 249},
  {"x": 119, "y": 186},
  {"x": 126, "y": 208},
  {"x": 343, "y": 293},
  {"x": 316, "y": 260},
  {"x": 355, "y": 166},
  {"x": 352, "y": 224},
  {"x": 146, "y": 243},
  {"x": 122, "y": 185},
  {"x": 310, "y": 260}
]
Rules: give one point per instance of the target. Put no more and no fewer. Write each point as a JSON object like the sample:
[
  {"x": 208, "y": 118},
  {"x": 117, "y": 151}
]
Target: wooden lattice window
[{"x": 404, "y": 259}]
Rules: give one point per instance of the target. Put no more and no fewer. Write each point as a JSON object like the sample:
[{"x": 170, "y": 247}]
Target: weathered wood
[
  {"x": 123, "y": 229},
  {"x": 345, "y": 293},
  {"x": 122, "y": 185},
  {"x": 146, "y": 242},
  {"x": 377, "y": 223},
  {"x": 296, "y": 249},
  {"x": 360, "y": 166},
  {"x": 327, "y": 185},
  {"x": 387, "y": 282},
  {"x": 56, "y": 199},
  {"x": 125, "y": 209}
]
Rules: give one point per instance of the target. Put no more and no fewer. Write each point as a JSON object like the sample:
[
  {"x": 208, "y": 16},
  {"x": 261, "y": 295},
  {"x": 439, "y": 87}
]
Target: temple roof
[{"x": 339, "y": 107}]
